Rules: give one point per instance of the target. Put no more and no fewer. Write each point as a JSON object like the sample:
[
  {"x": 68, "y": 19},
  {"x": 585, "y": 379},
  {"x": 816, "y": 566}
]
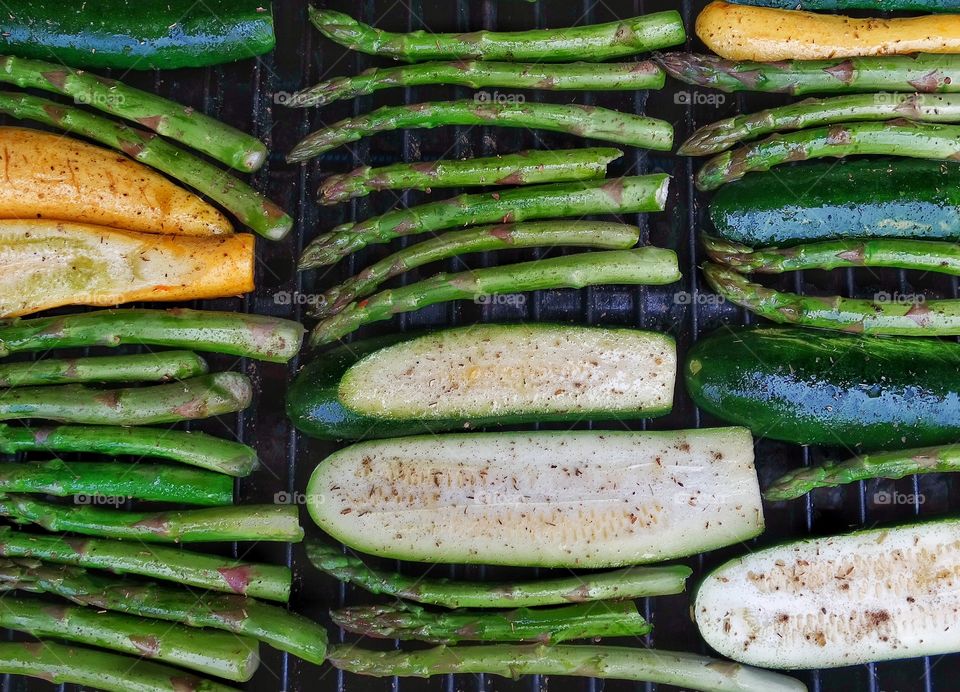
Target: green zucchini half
[
  {"x": 548, "y": 499},
  {"x": 867, "y": 596},
  {"x": 486, "y": 374}
]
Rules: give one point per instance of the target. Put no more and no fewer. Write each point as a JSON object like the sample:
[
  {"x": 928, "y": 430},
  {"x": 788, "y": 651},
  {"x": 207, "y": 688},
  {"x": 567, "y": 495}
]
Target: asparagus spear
[
  {"x": 205, "y": 651},
  {"x": 145, "y": 367},
  {"x": 900, "y": 137},
  {"x": 632, "y": 582},
  {"x": 252, "y": 336},
  {"x": 618, "y": 196},
  {"x": 613, "y": 236},
  {"x": 583, "y": 121},
  {"x": 244, "y": 523},
  {"x": 512, "y": 169},
  {"x": 923, "y": 255},
  {"x": 722, "y": 135},
  {"x": 896, "y": 464},
  {"x": 649, "y": 265},
  {"x": 271, "y": 582},
  {"x": 909, "y": 73},
  {"x": 688, "y": 671},
  {"x": 197, "y": 397},
  {"x": 234, "y": 195},
  {"x": 59, "y": 664},
  {"x": 241, "y": 615},
  {"x": 216, "y": 139},
  {"x": 194, "y": 448},
  {"x": 628, "y": 76},
  {"x": 595, "y": 42},
  {"x": 543, "y": 625},
  {"x": 155, "y": 482},
  {"x": 907, "y": 318}
]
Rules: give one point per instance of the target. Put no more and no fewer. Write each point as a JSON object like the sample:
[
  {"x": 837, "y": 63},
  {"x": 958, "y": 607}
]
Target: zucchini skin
[
  {"x": 315, "y": 408},
  {"x": 833, "y": 389},
  {"x": 137, "y": 34},
  {"x": 866, "y": 198}
]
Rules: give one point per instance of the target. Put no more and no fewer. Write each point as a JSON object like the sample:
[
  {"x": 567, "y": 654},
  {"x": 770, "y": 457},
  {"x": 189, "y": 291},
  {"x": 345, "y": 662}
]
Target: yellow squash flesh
[
  {"x": 743, "y": 32},
  {"x": 51, "y": 176},
  {"x": 45, "y": 264}
]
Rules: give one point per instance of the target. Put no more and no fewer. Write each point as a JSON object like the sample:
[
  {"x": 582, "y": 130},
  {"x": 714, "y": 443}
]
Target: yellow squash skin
[
  {"x": 51, "y": 176},
  {"x": 744, "y": 32},
  {"x": 46, "y": 264}
]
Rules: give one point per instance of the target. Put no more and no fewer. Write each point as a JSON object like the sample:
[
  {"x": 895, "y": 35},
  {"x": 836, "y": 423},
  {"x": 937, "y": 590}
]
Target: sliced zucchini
[
  {"x": 872, "y": 595},
  {"x": 548, "y": 499}
]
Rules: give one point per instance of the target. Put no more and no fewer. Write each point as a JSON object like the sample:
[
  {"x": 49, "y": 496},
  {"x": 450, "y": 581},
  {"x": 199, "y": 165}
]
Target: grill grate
[{"x": 245, "y": 97}]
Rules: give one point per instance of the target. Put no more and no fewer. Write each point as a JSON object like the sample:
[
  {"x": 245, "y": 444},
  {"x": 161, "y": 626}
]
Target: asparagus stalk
[
  {"x": 194, "y": 448},
  {"x": 205, "y": 651},
  {"x": 249, "y": 206},
  {"x": 271, "y": 582},
  {"x": 145, "y": 367},
  {"x": 900, "y": 137},
  {"x": 897, "y": 253},
  {"x": 896, "y": 464},
  {"x": 618, "y": 196},
  {"x": 595, "y": 42},
  {"x": 688, "y": 671},
  {"x": 477, "y": 74},
  {"x": 543, "y": 625},
  {"x": 154, "y": 482},
  {"x": 649, "y": 265},
  {"x": 197, "y": 397},
  {"x": 512, "y": 169},
  {"x": 906, "y": 73},
  {"x": 598, "y": 234},
  {"x": 632, "y": 582},
  {"x": 241, "y": 615},
  {"x": 216, "y": 139},
  {"x": 59, "y": 664},
  {"x": 583, "y": 121},
  {"x": 722, "y": 135},
  {"x": 252, "y": 336},
  {"x": 244, "y": 523},
  {"x": 907, "y": 318}
]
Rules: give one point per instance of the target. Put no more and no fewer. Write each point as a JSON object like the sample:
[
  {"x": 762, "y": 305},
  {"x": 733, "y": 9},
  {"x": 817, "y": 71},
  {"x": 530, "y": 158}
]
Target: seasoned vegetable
[
  {"x": 628, "y": 583},
  {"x": 590, "y": 122},
  {"x": 618, "y": 196},
  {"x": 687, "y": 671},
  {"x": 872, "y": 595},
  {"x": 194, "y": 448},
  {"x": 209, "y": 572},
  {"x": 742, "y": 32},
  {"x": 814, "y": 387},
  {"x": 383, "y": 387},
  {"x": 243, "y": 523},
  {"x": 49, "y": 176},
  {"x": 524, "y": 168},
  {"x": 599, "y": 234},
  {"x": 547, "y": 499},
  {"x": 138, "y": 35},
  {"x": 591, "y": 42},
  {"x": 909, "y": 73},
  {"x": 647, "y": 265},
  {"x": 878, "y": 5},
  {"x": 252, "y": 336},
  {"x": 162, "y": 366},
  {"x": 851, "y": 200},
  {"x": 205, "y": 651},
  {"x": 628, "y": 76},
  {"x": 913, "y": 317},
  {"x": 900, "y": 137}
]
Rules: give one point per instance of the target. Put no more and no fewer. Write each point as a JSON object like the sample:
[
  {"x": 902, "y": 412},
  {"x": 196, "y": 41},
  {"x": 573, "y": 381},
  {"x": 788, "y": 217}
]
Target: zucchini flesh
[
  {"x": 549, "y": 499},
  {"x": 872, "y": 595}
]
